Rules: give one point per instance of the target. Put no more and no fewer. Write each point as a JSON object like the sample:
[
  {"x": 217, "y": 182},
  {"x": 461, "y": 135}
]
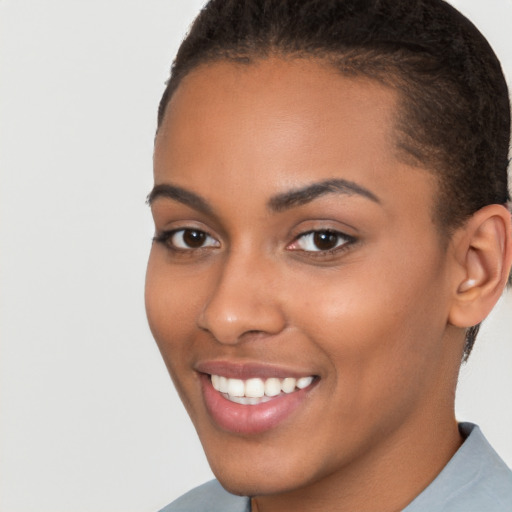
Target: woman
[{"x": 331, "y": 228}]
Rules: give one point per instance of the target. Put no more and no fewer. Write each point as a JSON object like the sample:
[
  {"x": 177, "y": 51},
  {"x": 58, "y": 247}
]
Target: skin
[{"x": 371, "y": 318}]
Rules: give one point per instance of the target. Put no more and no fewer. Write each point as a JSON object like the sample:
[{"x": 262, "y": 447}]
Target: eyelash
[
  {"x": 346, "y": 242},
  {"x": 165, "y": 238}
]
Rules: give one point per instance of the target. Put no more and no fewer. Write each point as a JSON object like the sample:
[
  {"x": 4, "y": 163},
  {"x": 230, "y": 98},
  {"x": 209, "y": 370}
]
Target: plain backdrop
[{"x": 89, "y": 420}]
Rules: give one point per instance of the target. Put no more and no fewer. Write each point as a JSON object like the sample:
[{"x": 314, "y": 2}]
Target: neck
[{"x": 385, "y": 480}]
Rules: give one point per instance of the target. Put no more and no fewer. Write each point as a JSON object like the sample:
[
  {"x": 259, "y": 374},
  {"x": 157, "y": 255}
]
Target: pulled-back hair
[{"x": 454, "y": 114}]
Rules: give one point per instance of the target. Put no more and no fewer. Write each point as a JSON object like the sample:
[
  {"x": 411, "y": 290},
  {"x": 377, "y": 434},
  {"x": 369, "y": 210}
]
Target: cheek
[
  {"x": 170, "y": 308},
  {"x": 381, "y": 329}
]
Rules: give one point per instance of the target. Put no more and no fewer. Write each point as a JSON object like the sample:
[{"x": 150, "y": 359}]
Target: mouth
[
  {"x": 255, "y": 404},
  {"x": 256, "y": 390}
]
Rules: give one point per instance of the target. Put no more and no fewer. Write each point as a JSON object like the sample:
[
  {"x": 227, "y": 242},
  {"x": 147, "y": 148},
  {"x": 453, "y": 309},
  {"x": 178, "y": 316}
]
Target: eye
[
  {"x": 320, "y": 241},
  {"x": 186, "y": 239}
]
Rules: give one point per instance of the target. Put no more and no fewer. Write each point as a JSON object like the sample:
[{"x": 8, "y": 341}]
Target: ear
[{"x": 484, "y": 257}]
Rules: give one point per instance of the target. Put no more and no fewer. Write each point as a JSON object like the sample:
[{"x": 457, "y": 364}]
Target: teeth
[
  {"x": 272, "y": 387},
  {"x": 223, "y": 385},
  {"x": 254, "y": 388},
  {"x": 288, "y": 385},
  {"x": 249, "y": 400},
  {"x": 236, "y": 387},
  {"x": 304, "y": 382},
  {"x": 254, "y": 391}
]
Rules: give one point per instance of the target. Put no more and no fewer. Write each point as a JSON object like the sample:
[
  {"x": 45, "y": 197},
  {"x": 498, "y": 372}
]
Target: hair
[{"x": 454, "y": 112}]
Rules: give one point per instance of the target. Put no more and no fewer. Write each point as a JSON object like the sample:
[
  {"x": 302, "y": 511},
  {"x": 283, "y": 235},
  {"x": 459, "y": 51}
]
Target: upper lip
[{"x": 248, "y": 369}]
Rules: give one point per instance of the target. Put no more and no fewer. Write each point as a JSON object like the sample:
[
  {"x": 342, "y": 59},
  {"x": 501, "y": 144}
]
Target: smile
[
  {"x": 239, "y": 402},
  {"x": 256, "y": 391}
]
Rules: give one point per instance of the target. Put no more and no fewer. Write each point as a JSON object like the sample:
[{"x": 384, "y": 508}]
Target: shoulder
[
  {"x": 476, "y": 479},
  {"x": 209, "y": 497}
]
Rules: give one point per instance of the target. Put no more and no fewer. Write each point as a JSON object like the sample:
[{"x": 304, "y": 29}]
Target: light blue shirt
[{"x": 474, "y": 480}]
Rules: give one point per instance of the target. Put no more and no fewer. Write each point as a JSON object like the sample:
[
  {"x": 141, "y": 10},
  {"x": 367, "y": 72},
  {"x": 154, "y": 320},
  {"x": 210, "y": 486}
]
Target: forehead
[
  {"x": 304, "y": 98},
  {"x": 279, "y": 124}
]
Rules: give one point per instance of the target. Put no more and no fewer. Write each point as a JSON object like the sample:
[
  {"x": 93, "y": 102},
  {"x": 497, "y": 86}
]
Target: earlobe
[{"x": 485, "y": 253}]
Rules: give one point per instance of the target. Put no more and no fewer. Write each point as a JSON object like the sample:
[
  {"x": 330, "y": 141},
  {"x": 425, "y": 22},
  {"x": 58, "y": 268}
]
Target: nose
[{"x": 244, "y": 300}]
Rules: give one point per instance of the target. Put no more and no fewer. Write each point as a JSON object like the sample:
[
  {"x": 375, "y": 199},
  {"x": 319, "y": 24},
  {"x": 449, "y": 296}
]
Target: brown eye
[
  {"x": 191, "y": 239},
  {"x": 194, "y": 239},
  {"x": 325, "y": 240},
  {"x": 320, "y": 241}
]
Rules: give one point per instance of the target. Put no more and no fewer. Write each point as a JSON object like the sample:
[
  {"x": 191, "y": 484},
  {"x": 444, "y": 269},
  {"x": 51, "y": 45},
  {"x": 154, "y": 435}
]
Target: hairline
[{"x": 389, "y": 78}]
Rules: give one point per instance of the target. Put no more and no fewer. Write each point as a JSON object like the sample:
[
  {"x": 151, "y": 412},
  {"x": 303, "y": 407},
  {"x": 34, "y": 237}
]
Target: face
[{"x": 297, "y": 284}]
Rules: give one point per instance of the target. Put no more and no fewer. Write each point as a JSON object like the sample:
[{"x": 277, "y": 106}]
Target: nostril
[
  {"x": 240, "y": 305},
  {"x": 251, "y": 321}
]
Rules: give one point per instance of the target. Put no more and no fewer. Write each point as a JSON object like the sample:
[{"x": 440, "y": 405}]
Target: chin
[
  {"x": 266, "y": 474},
  {"x": 254, "y": 485}
]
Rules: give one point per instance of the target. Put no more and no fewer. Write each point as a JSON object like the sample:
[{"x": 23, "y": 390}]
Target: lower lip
[{"x": 250, "y": 419}]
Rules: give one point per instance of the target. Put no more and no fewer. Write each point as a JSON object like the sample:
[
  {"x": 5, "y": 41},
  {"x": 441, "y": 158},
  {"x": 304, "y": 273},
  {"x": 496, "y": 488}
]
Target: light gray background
[{"x": 89, "y": 421}]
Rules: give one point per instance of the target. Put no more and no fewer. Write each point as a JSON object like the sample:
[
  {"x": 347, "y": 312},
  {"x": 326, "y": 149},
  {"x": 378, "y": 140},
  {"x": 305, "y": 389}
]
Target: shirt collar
[{"x": 474, "y": 479}]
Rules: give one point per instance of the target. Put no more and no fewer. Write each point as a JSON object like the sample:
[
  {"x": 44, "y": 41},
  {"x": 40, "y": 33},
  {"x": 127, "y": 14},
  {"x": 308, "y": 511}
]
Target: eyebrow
[
  {"x": 168, "y": 191},
  {"x": 308, "y": 193},
  {"x": 278, "y": 203}
]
